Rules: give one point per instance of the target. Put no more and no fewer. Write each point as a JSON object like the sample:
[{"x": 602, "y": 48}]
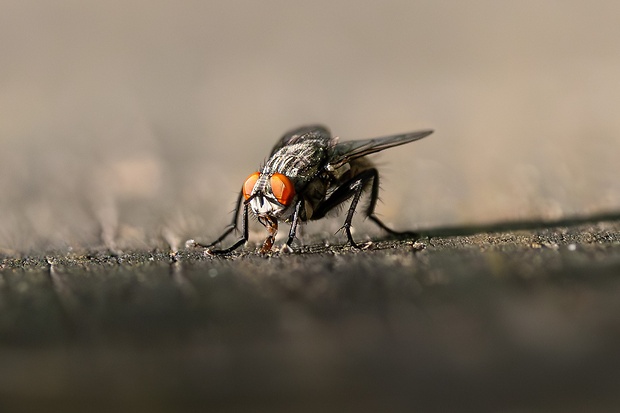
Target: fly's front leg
[
  {"x": 241, "y": 241},
  {"x": 230, "y": 228}
]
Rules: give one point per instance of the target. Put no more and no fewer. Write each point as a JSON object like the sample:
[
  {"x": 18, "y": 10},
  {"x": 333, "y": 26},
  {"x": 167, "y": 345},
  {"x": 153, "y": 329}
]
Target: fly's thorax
[{"x": 300, "y": 161}]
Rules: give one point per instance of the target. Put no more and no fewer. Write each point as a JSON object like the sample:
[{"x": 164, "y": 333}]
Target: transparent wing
[
  {"x": 295, "y": 135},
  {"x": 347, "y": 151}
]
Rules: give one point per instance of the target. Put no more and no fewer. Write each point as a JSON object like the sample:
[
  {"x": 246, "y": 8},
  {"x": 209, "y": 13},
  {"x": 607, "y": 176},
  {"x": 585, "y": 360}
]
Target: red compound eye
[
  {"x": 249, "y": 183},
  {"x": 282, "y": 188}
]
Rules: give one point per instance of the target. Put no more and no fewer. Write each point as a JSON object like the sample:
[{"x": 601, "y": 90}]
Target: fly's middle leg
[
  {"x": 294, "y": 223},
  {"x": 354, "y": 188},
  {"x": 358, "y": 184}
]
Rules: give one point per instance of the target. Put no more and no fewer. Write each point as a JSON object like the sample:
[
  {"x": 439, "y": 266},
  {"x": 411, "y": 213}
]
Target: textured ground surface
[
  {"x": 128, "y": 127},
  {"x": 515, "y": 320}
]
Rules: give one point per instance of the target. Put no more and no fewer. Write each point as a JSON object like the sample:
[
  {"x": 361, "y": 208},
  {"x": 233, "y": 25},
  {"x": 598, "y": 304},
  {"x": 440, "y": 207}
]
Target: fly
[{"x": 308, "y": 174}]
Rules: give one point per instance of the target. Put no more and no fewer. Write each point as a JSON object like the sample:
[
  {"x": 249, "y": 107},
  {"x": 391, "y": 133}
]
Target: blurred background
[{"x": 133, "y": 124}]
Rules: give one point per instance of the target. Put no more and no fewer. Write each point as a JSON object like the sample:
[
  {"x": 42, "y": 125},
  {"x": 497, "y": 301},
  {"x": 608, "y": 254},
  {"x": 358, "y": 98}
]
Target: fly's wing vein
[{"x": 345, "y": 152}]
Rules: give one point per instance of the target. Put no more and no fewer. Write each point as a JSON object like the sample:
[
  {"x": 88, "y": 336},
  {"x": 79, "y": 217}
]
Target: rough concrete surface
[{"x": 509, "y": 321}]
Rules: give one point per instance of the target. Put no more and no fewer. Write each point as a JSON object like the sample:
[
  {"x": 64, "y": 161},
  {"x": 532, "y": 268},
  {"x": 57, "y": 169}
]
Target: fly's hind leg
[{"x": 370, "y": 212}]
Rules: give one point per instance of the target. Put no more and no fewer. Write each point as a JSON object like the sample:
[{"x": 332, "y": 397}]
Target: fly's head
[{"x": 269, "y": 194}]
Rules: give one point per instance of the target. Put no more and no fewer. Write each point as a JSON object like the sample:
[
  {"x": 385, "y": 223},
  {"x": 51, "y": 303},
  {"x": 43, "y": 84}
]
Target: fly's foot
[
  {"x": 216, "y": 253},
  {"x": 190, "y": 243},
  {"x": 360, "y": 246},
  {"x": 286, "y": 249},
  {"x": 346, "y": 228}
]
